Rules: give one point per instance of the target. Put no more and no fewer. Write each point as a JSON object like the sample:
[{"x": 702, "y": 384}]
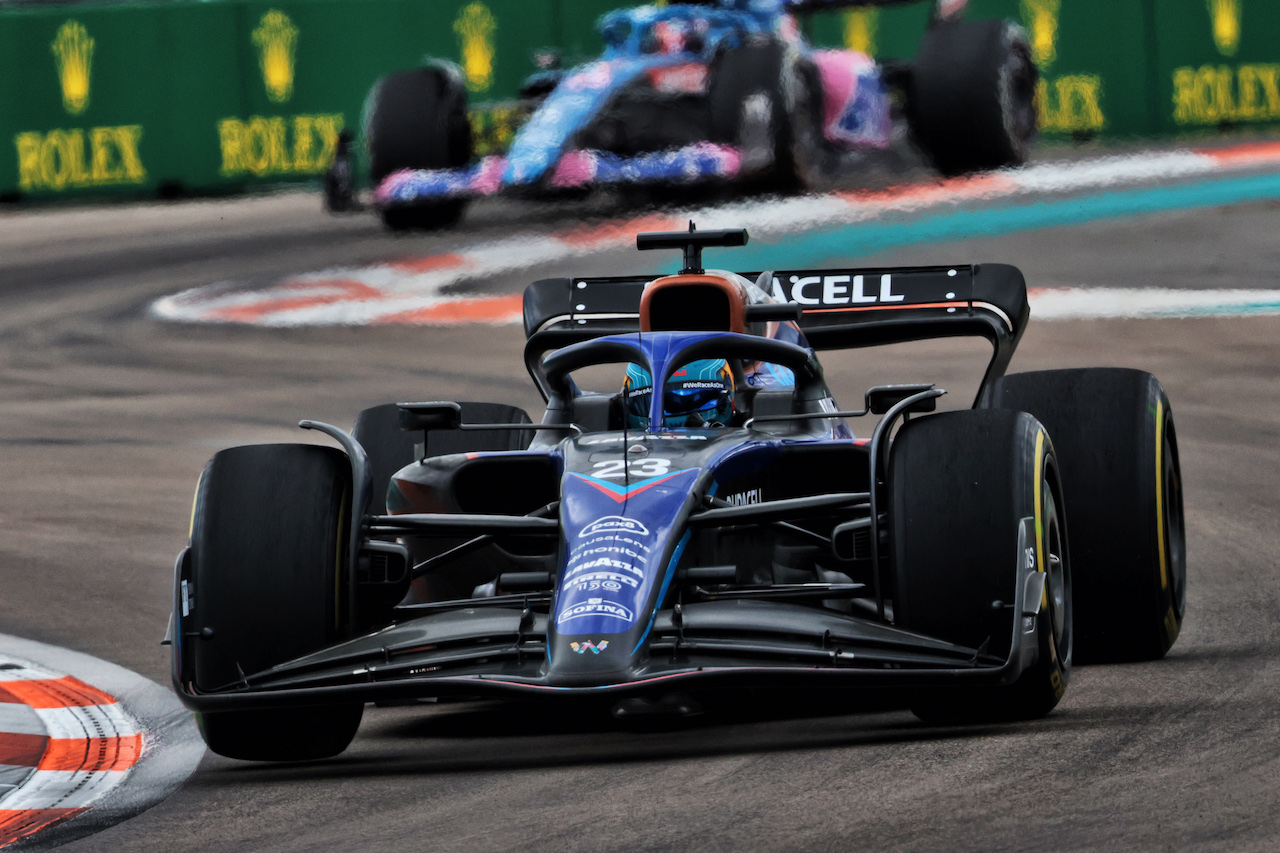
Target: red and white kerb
[{"x": 63, "y": 745}]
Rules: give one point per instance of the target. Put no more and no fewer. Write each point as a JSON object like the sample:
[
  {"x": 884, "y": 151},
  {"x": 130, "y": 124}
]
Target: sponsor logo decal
[
  {"x": 604, "y": 563},
  {"x": 860, "y": 28},
  {"x": 73, "y": 50},
  {"x": 1213, "y": 94},
  {"x": 608, "y": 581},
  {"x": 1071, "y": 103},
  {"x": 75, "y": 158},
  {"x": 587, "y": 645},
  {"x": 475, "y": 27},
  {"x": 276, "y": 38},
  {"x": 617, "y": 439},
  {"x": 836, "y": 290},
  {"x": 1225, "y": 15},
  {"x": 593, "y": 606},
  {"x": 264, "y": 146},
  {"x": 750, "y": 496},
  {"x": 614, "y": 522},
  {"x": 1042, "y": 19},
  {"x": 278, "y": 145}
]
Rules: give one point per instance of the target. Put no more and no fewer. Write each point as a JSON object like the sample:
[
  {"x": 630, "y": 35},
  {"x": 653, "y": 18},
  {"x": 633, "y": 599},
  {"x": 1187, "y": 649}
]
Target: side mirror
[
  {"x": 882, "y": 398},
  {"x": 430, "y": 416},
  {"x": 766, "y": 311}
]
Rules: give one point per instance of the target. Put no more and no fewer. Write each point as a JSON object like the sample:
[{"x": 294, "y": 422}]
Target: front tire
[
  {"x": 963, "y": 487},
  {"x": 1114, "y": 430},
  {"x": 768, "y": 104},
  {"x": 268, "y": 554}
]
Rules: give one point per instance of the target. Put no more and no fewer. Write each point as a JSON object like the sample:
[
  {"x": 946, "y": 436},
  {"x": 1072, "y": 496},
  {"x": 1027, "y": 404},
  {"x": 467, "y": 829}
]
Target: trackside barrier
[{"x": 219, "y": 96}]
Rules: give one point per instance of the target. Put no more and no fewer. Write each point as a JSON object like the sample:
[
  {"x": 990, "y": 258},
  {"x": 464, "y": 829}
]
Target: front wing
[
  {"x": 578, "y": 169},
  {"x": 497, "y": 647}
]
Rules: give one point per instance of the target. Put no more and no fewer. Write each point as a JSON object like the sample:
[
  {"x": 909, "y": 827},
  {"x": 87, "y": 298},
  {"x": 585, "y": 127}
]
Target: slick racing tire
[
  {"x": 1118, "y": 451},
  {"x": 770, "y": 106},
  {"x": 972, "y": 495},
  {"x": 268, "y": 552},
  {"x": 971, "y": 96},
  {"x": 418, "y": 120}
]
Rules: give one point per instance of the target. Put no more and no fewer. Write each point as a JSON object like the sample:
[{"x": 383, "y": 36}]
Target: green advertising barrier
[
  {"x": 1217, "y": 63},
  {"x": 73, "y": 130},
  {"x": 209, "y": 97},
  {"x": 222, "y": 95}
]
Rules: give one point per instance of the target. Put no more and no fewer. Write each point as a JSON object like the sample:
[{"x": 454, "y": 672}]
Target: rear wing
[{"x": 840, "y": 308}]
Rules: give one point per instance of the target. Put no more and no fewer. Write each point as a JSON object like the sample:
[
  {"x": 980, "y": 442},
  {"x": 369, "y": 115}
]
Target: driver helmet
[{"x": 698, "y": 394}]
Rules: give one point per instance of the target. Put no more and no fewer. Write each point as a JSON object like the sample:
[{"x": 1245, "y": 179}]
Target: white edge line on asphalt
[{"x": 392, "y": 290}]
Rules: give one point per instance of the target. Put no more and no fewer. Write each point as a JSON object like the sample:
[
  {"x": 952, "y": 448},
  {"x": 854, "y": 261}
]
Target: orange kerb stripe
[
  {"x": 19, "y": 823},
  {"x": 491, "y": 309},
  {"x": 613, "y": 232},
  {"x": 1261, "y": 152},
  {"x": 95, "y": 753},
  {"x": 934, "y": 190},
  {"x": 433, "y": 262},
  {"x": 65, "y": 692},
  {"x": 348, "y": 291},
  {"x": 21, "y": 750}
]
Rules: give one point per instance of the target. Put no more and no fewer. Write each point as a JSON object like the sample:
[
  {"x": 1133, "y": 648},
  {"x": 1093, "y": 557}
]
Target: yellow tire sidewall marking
[{"x": 1039, "y": 485}]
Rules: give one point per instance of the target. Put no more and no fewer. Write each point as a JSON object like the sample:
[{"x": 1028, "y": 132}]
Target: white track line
[{"x": 414, "y": 293}]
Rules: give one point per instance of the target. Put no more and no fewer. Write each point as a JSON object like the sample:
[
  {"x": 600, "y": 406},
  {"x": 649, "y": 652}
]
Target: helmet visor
[{"x": 686, "y": 401}]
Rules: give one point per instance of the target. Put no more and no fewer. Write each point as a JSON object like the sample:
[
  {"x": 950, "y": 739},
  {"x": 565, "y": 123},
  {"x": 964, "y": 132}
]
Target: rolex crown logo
[
  {"x": 73, "y": 50},
  {"x": 1225, "y": 15},
  {"x": 1042, "y": 19},
  {"x": 277, "y": 39},
  {"x": 475, "y": 27},
  {"x": 860, "y": 28}
]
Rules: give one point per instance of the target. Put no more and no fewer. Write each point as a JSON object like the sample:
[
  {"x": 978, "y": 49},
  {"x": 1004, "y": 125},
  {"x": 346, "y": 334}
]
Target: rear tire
[
  {"x": 971, "y": 96},
  {"x": 417, "y": 119},
  {"x": 1119, "y": 454},
  {"x": 961, "y": 485},
  {"x": 268, "y": 553}
]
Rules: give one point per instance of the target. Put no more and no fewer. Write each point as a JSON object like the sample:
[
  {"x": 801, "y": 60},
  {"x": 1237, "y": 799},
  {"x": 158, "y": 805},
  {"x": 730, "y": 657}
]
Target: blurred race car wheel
[
  {"x": 768, "y": 104},
  {"x": 417, "y": 119},
  {"x": 961, "y": 485},
  {"x": 268, "y": 544},
  {"x": 1119, "y": 453},
  {"x": 971, "y": 96}
]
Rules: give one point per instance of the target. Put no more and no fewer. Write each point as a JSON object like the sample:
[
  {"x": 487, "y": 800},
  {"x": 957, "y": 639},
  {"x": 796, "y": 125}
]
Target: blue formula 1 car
[
  {"x": 724, "y": 91},
  {"x": 709, "y": 520}
]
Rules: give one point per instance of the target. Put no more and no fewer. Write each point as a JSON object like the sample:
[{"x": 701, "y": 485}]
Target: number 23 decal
[{"x": 642, "y": 468}]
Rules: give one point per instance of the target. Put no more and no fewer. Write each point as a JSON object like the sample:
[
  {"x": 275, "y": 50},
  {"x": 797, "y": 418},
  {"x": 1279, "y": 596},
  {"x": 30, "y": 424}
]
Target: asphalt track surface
[{"x": 107, "y": 417}]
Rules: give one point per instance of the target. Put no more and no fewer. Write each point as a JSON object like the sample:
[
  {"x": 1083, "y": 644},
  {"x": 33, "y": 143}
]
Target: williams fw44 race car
[
  {"x": 711, "y": 523},
  {"x": 712, "y": 92}
]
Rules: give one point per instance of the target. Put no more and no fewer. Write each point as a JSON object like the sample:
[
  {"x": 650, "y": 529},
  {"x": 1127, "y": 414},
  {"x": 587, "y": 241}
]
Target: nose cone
[{"x": 623, "y": 537}]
